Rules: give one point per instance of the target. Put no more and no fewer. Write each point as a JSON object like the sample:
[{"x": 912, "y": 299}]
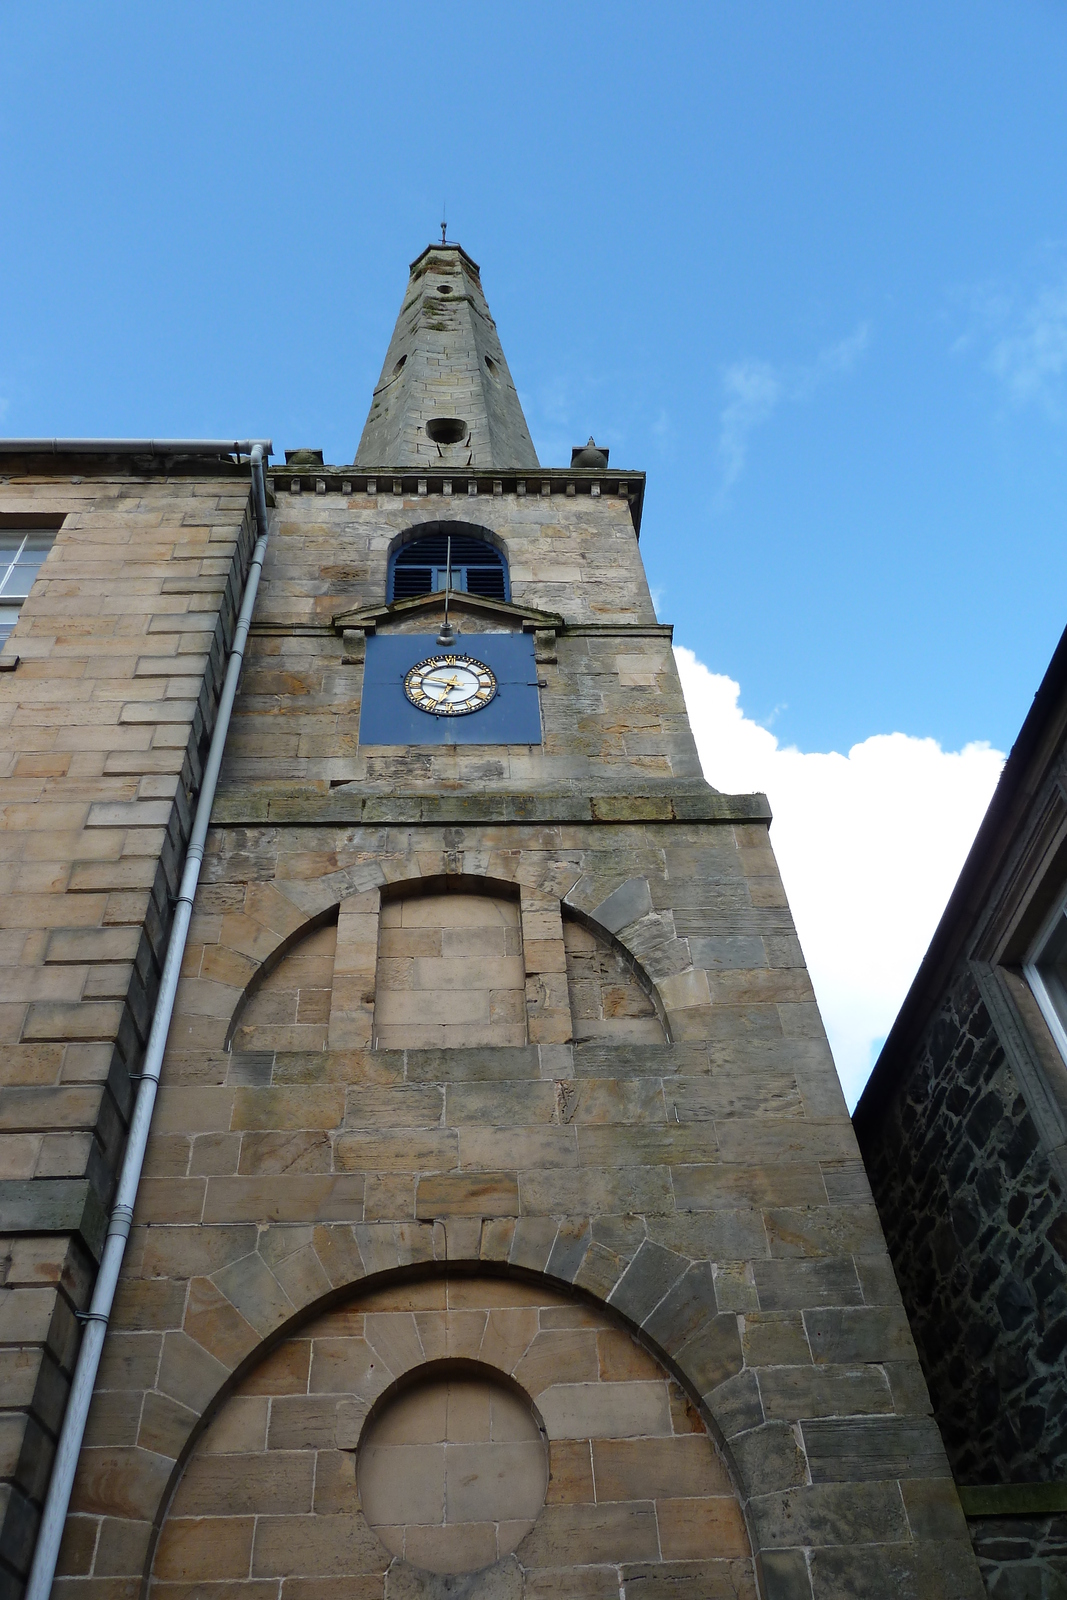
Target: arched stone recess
[
  {"x": 408, "y": 1391},
  {"x": 628, "y": 912},
  {"x": 279, "y": 919},
  {"x": 611, "y": 995},
  {"x": 286, "y": 1004},
  {"x": 450, "y": 971},
  {"x": 253, "y": 1306}
]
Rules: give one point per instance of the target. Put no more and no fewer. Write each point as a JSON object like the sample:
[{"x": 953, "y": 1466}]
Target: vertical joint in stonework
[{"x": 548, "y": 1007}]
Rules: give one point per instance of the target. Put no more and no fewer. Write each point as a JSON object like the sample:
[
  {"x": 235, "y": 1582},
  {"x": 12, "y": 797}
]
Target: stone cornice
[{"x": 454, "y": 485}]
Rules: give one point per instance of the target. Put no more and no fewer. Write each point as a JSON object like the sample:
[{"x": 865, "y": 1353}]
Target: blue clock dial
[{"x": 450, "y": 685}]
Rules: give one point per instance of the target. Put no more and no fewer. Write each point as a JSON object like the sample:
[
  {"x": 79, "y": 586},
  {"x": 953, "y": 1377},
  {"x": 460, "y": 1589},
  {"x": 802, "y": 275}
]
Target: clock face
[{"x": 450, "y": 685}]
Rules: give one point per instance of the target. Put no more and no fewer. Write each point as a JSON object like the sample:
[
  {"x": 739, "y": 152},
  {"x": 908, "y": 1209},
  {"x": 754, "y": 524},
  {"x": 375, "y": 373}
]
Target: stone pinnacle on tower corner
[{"x": 445, "y": 397}]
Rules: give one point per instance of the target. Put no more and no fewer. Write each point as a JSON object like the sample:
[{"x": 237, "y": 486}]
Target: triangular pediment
[{"x": 522, "y": 618}]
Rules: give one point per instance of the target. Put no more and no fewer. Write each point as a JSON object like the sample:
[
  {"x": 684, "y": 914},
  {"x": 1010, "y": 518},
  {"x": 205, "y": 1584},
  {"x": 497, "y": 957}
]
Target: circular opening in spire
[
  {"x": 491, "y": 366},
  {"x": 444, "y": 288},
  {"x": 399, "y": 366},
  {"x": 446, "y": 430}
]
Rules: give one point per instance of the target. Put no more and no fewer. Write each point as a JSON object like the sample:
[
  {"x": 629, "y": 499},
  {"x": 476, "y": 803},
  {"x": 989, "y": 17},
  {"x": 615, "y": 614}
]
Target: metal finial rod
[{"x": 445, "y": 636}]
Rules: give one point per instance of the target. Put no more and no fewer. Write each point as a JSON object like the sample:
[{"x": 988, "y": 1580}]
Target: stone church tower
[{"x": 502, "y": 1231}]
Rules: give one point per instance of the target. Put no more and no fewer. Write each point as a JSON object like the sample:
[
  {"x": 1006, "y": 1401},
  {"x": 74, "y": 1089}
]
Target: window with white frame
[
  {"x": 22, "y": 550},
  {"x": 1046, "y": 972}
]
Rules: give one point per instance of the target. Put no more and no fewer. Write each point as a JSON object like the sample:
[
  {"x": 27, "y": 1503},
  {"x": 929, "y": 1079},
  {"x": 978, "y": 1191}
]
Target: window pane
[
  {"x": 458, "y": 578},
  {"x": 1052, "y": 965},
  {"x": 477, "y": 566},
  {"x": 17, "y": 580},
  {"x": 22, "y": 550},
  {"x": 411, "y": 581}
]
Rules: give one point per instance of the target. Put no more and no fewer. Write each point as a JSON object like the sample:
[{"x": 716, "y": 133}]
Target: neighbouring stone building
[
  {"x": 503, "y": 1231},
  {"x": 963, "y": 1127}
]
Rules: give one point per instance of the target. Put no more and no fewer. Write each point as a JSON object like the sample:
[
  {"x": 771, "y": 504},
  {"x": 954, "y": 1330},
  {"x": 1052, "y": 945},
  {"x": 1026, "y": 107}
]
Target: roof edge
[
  {"x": 448, "y": 245},
  {"x": 993, "y": 839}
]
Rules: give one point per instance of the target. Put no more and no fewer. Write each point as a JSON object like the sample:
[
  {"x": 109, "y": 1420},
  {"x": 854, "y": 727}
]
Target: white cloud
[
  {"x": 1022, "y": 333},
  {"x": 753, "y": 390},
  {"x": 869, "y": 845},
  {"x": 1032, "y": 359}
]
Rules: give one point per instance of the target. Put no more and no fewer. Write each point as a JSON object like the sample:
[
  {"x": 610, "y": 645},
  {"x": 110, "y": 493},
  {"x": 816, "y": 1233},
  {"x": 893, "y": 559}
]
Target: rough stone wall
[
  {"x": 121, "y": 646},
  {"x": 975, "y": 1226},
  {"x": 1022, "y": 1558},
  {"x": 974, "y": 1222}
]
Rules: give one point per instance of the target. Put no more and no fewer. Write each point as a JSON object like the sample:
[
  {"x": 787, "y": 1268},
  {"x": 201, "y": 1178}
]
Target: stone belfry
[{"x": 502, "y": 1229}]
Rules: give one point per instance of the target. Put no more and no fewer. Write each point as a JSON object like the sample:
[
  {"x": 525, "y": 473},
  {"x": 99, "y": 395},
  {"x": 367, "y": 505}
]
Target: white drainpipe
[{"x": 54, "y": 1516}]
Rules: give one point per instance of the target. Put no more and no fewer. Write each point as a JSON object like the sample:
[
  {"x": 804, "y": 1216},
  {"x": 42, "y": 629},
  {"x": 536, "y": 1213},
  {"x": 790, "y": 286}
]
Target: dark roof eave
[{"x": 1016, "y": 786}]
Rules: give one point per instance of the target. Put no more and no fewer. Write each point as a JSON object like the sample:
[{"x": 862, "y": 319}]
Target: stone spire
[{"x": 445, "y": 397}]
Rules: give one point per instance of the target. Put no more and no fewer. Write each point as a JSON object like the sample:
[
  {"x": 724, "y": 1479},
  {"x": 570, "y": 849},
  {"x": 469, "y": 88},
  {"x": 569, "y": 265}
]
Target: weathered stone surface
[
  {"x": 98, "y": 762},
  {"x": 536, "y": 1014},
  {"x": 974, "y": 1219}
]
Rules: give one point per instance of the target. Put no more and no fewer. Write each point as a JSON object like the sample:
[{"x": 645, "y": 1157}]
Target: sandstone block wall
[
  {"x": 445, "y": 359},
  {"x": 664, "y": 1169},
  {"x": 612, "y": 706},
  {"x": 102, "y": 725},
  {"x": 610, "y": 1442},
  {"x": 707, "y": 1192}
]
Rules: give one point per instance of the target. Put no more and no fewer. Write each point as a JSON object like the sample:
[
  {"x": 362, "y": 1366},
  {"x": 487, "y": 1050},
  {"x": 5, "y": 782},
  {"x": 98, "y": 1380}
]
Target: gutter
[
  {"x": 68, "y": 1450},
  {"x": 133, "y": 447}
]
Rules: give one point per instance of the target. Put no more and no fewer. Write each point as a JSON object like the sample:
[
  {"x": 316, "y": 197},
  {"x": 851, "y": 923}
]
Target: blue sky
[
  {"x": 805, "y": 264},
  {"x": 210, "y": 211}
]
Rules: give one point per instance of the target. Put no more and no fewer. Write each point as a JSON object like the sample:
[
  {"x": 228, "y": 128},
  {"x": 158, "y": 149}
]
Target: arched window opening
[{"x": 478, "y": 567}]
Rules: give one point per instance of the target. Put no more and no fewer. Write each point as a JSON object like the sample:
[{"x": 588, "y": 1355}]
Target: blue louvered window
[{"x": 419, "y": 567}]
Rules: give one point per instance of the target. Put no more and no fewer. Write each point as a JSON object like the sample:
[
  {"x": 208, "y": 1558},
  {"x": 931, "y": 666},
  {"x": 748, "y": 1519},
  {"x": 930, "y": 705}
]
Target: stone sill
[
  {"x": 351, "y": 803},
  {"x": 1012, "y": 1499}
]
